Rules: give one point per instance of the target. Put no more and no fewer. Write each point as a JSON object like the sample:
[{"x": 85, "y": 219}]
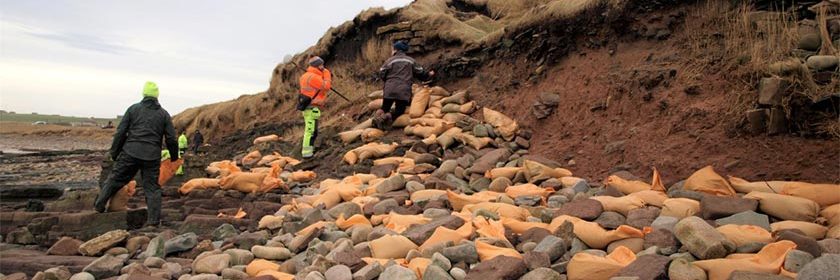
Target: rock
[
  {"x": 82, "y": 276},
  {"x": 748, "y": 275},
  {"x": 803, "y": 242},
  {"x": 536, "y": 260},
  {"x": 664, "y": 222},
  {"x": 587, "y": 209},
  {"x": 634, "y": 244},
  {"x": 57, "y": 273},
  {"x": 746, "y": 218},
  {"x": 393, "y": 183},
  {"x": 368, "y": 272},
  {"x": 771, "y": 91},
  {"x": 461, "y": 253},
  {"x": 135, "y": 268},
  {"x": 212, "y": 264},
  {"x": 824, "y": 267},
  {"x": 350, "y": 260},
  {"x": 66, "y": 246},
  {"x": 441, "y": 261},
  {"x": 435, "y": 272},
  {"x": 301, "y": 241},
  {"x": 234, "y": 274},
  {"x": 527, "y": 246},
  {"x": 154, "y": 262},
  {"x": 339, "y": 272},
  {"x": 501, "y": 267},
  {"x": 681, "y": 269},
  {"x": 180, "y": 243},
  {"x": 397, "y": 272},
  {"x": 541, "y": 274},
  {"x": 646, "y": 267},
  {"x": 458, "y": 273},
  {"x": 757, "y": 118},
  {"x": 553, "y": 246},
  {"x": 224, "y": 231},
  {"x": 715, "y": 207},
  {"x": 384, "y": 206},
  {"x": 246, "y": 240},
  {"x": 271, "y": 253},
  {"x": 796, "y": 259},
  {"x": 134, "y": 244},
  {"x": 642, "y": 217},
  {"x": 750, "y": 248},
  {"x": 499, "y": 184},
  {"x": 116, "y": 251},
  {"x": 701, "y": 239},
  {"x": 610, "y": 220},
  {"x": 480, "y": 184},
  {"x": 103, "y": 242},
  {"x": 663, "y": 239},
  {"x": 174, "y": 269},
  {"x": 20, "y": 236},
  {"x": 556, "y": 201},
  {"x": 240, "y": 256},
  {"x": 105, "y": 266},
  {"x": 206, "y": 276},
  {"x": 823, "y": 62},
  {"x": 488, "y": 161},
  {"x": 830, "y": 246},
  {"x": 528, "y": 200},
  {"x": 155, "y": 248},
  {"x": 413, "y": 186},
  {"x": 419, "y": 233}
]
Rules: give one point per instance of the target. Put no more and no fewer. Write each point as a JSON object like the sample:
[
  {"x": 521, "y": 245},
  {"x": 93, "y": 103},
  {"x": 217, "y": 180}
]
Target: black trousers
[
  {"x": 400, "y": 106},
  {"x": 125, "y": 168}
]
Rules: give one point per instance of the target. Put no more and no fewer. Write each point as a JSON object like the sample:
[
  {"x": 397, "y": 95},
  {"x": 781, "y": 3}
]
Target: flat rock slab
[{"x": 31, "y": 261}]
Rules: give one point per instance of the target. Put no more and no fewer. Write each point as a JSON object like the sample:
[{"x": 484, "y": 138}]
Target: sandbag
[
  {"x": 370, "y": 150},
  {"x": 487, "y": 251},
  {"x": 251, "y": 158},
  {"x": 528, "y": 189},
  {"x": 651, "y": 197},
  {"x": 593, "y": 234},
  {"x": 391, "y": 247},
  {"x": 283, "y": 161},
  {"x": 302, "y": 176},
  {"x": 768, "y": 260},
  {"x": 259, "y": 265},
  {"x": 507, "y": 172},
  {"x": 451, "y": 108},
  {"x": 419, "y": 102},
  {"x": 489, "y": 228},
  {"x": 831, "y": 214},
  {"x": 439, "y": 91},
  {"x": 419, "y": 265},
  {"x": 520, "y": 227},
  {"x": 376, "y": 95},
  {"x": 427, "y": 195},
  {"x": 401, "y": 121},
  {"x": 399, "y": 223},
  {"x": 823, "y": 194},
  {"x": 810, "y": 229},
  {"x": 267, "y": 159},
  {"x": 507, "y": 127},
  {"x": 458, "y": 201},
  {"x": 786, "y": 207},
  {"x": 329, "y": 199},
  {"x": 744, "y": 186},
  {"x": 221, "y": 169},
  {"x": 119, "y": 202},
  {"x": 621, "y": 205},
  {"x": 476, "y": 142},
  {"x": 198, "y": 183},
  {"x": 535, "y": 171},
  {"x": 833, "y": 232},
  {"x": 374, "y": 105},
  {"x": 460, "y": 97},
  {"x": 707, "y": 181},
  {"x": 266, "y": 139},
  {"x": 585, "y": 266},
  {"x": 246, "y": 182},
  {"x": 350, "y": 136},
  {"x": 745, "y": 234},
  {"x": 433, "y": 112},
  {"x": 680, "y": 207},
  {"x": 167, "y": 170},
  {"x": 626, "y": 186},
  {"x": 454, "y": 117},
  {"x": 270, "y": 222},
  {"x": 355, "y": 220},
  {"x": 365, "y": 124},
  {"x": 503, "y": 209},
  {"x": 442, "y": 235}
]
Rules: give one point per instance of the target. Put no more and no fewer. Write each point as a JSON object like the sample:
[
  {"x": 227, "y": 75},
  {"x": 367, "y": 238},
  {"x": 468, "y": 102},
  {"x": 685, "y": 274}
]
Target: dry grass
[{"x": 373, "y": 54}]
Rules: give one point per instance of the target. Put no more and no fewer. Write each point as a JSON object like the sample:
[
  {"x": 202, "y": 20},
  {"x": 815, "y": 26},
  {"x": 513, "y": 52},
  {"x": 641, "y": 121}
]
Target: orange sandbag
[
  {"x": 354, "y": 220},
  {"x": 823, "y": 194},
  {"x": 680, "y": 207},
  {"x": 621, "y": 205},
  {"x": 266, "y": 139},
  {"x": 391, "y": 247},
  {"x": 744, "y": 186},
  {"x": 442, "y": 235},
  {"x": 371, "y": 134},
  {"x": 506, "y": 126},
  {"x": 399, "y": 223},
  {"x": 401, "y": 121},
  {"x": 247, "y": 182},
  {"x": 119, "y": 202},
  {"x": 786, "y": 207},
  {"x": 489, "y": 228},
  {"x": 831, "y": 214},
  {"x": 350, "y": 136},
  {"x": 367, "y": 151},
  {"x": 745, "y": 234},
  {"x": 373, "y": 105},
  {"x": 810, "y": 229},
  {"x": 487, "y": 251},
  {"x": 221, "y": 169},
  {"x": 476, "y": 142},
  {"x": 419, "y": 102},
  {"x": 528, "y": 189},
  {"x": 167, "y": 170},
  {"x": 707, "y": 181},
  {"x": 251, "y": 158},
  {"x": 260, "y": 265},
  {"x": 419, "y": 265},
  {"x": 198, "y": 183},
  {"x": 585, "y": 266},
  {"x": 458, "y": 201},
  {"x": 427, "y": 195},
  {"x": 593, "y": 234},
  {"x": 651, "y": 197},
  {"x": 520, "y": 227},
  {"x": 503, "y": 209},
  {"x": 302, "y": 176},
  {"x": 507, "y": 172},
  {"x": 535, "y": 171},
  {"x": 833, "y": 232},
  {"x": 768, "y": 260},
  {"x": 626, "y": 186}
]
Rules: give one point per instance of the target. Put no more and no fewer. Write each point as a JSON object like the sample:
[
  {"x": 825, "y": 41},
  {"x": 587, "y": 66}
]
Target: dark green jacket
[{"x": 142, "y": 129}]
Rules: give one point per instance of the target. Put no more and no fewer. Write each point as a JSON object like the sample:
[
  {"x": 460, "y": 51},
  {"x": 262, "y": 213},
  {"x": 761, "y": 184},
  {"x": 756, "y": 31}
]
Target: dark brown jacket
[{"x": 399, "y": 72}]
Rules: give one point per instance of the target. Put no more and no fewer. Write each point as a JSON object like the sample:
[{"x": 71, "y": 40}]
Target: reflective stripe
[{"x": 401, "y": 60}]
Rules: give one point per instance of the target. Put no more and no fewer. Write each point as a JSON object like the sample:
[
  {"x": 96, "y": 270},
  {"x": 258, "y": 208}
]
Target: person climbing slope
[
  {"x": 398, "y": 72},
  {"x": 314, "y": 85},
  {"x": 182, "y": 149}
]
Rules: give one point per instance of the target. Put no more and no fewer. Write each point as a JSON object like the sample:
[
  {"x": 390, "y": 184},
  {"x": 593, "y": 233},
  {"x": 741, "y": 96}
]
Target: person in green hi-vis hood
[{"x": 182, "y": 149}]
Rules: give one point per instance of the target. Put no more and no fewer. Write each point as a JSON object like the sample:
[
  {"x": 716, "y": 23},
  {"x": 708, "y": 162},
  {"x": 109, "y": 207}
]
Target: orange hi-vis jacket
[{"x": 315, "y": 84}]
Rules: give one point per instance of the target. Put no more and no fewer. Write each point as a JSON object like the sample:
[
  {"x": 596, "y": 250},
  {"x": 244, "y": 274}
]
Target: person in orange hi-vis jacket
[{"x": 314, "y": 85}]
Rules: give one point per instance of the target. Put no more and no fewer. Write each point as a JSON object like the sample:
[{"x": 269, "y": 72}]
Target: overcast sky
[{"x": 91, "y": 58}]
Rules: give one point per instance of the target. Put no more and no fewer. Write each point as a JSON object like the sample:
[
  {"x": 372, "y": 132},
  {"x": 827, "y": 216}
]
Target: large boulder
[
  {"x": 701, "y": 239},
  {"x": 103, "y": 242},
  {"x": 66, "y": 246}
]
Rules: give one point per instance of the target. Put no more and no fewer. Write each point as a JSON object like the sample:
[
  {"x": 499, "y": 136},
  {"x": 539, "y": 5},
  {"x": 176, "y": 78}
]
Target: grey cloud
[{"x": 85, "y": 42}]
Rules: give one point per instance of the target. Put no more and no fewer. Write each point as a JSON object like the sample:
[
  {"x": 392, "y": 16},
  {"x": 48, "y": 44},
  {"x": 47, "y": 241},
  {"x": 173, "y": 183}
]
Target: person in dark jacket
[
  {"x": 136, "y": 147},
  {"x": 197, "y": 141},
  {"x": 398, "y": 72}
]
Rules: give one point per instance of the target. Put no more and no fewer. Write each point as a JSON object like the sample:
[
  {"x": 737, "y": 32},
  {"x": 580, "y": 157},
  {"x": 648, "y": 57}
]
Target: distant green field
[{"x": 51, "y": 119}]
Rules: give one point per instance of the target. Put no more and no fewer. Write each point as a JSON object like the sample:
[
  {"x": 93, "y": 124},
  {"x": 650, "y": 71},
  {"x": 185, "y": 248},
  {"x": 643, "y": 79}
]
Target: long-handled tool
[{"x": 288, "y": 59}]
